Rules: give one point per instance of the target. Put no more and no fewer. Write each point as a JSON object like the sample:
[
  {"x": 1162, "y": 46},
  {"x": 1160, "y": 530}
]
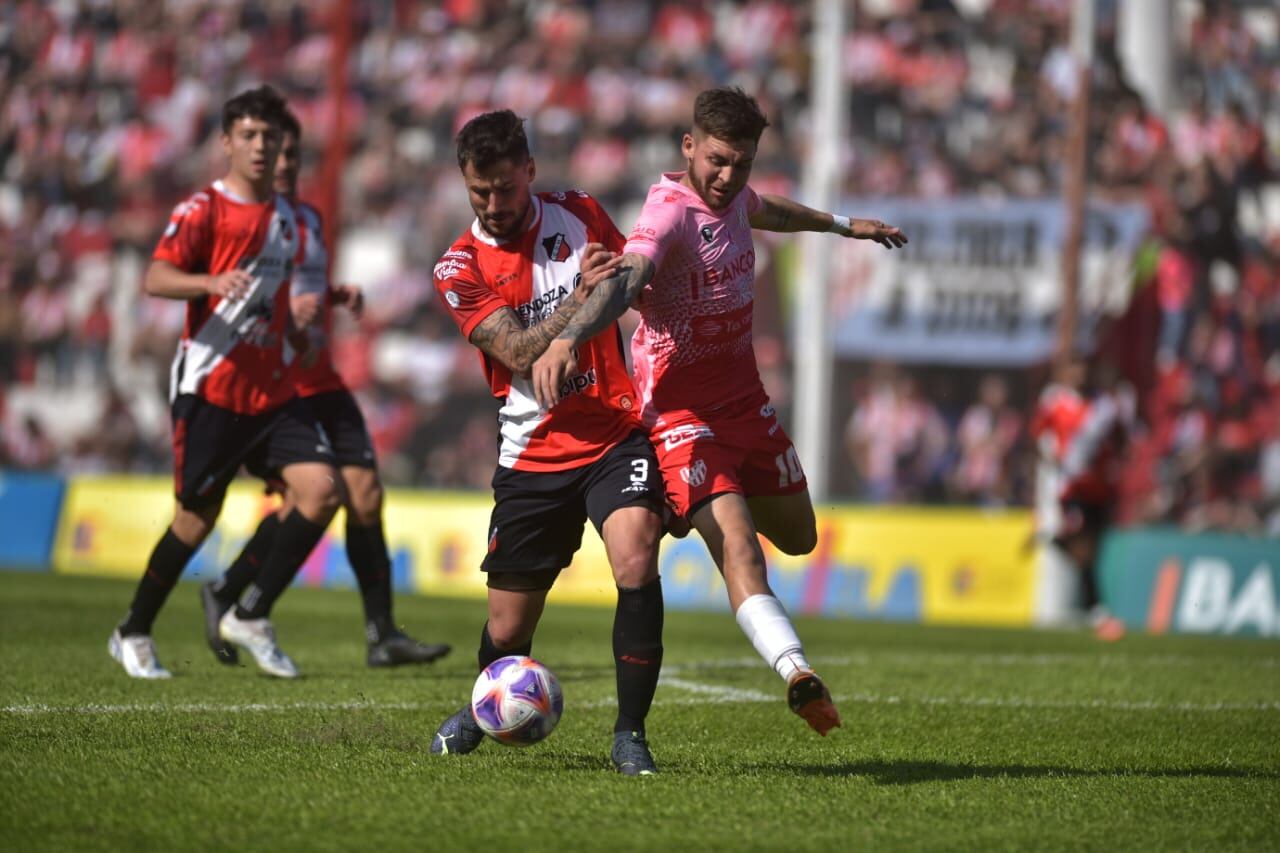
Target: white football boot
[
  {"x": 258, "y": 638},
  {"x": 137, "y": 654}
]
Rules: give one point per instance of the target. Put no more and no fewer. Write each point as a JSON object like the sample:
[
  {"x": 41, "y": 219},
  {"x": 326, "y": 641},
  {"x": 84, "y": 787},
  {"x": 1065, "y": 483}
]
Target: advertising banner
[
  {"x": 28, "y": 516},
  {"x": 1162, "y": 580},
  {"x": 947, "y": 566},
  {"x": 980, "y": 281}
]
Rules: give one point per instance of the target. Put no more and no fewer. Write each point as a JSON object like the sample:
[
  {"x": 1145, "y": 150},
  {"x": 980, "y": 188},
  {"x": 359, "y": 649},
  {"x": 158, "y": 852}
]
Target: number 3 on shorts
[
  {"x": 789, "y": 467},
  {"x": 639, "y": 471}
]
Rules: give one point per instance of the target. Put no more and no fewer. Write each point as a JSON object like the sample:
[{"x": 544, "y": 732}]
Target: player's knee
[
  {"x": 798, "y": 541},
  {"x": 509, "y": 633},
  {"x": 318, "y": 498},
  {"x": 365, "y": 499}
]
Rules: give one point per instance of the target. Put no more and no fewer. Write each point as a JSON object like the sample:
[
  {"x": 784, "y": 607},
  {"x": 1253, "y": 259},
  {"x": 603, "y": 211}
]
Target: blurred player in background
[
  {"x": 729, "y": 467},
  {"x": 511, "y": 284},
  {"x": 229, "y": 251},
  {"x": 1084, "y": 439},
  {"x": 335, "y": 409}
]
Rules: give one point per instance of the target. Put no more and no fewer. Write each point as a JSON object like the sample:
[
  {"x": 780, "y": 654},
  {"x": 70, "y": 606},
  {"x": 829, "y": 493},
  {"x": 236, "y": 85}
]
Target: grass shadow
[{"x": 909, "y": 772}]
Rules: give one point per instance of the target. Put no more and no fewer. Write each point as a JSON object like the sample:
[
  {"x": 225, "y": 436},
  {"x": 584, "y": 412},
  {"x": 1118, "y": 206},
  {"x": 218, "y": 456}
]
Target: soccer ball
[{"x": 517, "y": 701}]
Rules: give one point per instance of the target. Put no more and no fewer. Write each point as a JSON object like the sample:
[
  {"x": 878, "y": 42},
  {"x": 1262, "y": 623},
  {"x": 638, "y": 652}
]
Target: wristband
[{"x": 839, "y": 224}]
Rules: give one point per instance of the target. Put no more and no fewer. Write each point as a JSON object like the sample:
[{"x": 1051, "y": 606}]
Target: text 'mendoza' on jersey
[
  {"x": 532, "y": 275},
  {"x": 234, "y": 353}
]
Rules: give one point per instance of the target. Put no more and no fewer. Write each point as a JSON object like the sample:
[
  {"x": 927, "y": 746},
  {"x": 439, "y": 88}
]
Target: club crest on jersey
[
  {"x": 696, "y": 474},
  {"x": 707, "y": 234},
  {"x": 452, "y": 298},
  {"x": 557, "y": 247}
]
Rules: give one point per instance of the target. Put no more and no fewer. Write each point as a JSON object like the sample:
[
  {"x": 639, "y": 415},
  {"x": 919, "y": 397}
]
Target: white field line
[
  {"x": 704, "y": 694},
  {"x": 1011, "y": 659}
]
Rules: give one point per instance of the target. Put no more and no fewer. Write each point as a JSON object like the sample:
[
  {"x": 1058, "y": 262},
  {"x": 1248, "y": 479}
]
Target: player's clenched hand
[
  {"x": 598, "y": 264},
  {"x": 350, "y": 296},
  {"x": 232, "y": 284},
  {"x": 551, "y": 370},
  {"x": 305, "y": 308},
  {"x": 889, "y": 236}
]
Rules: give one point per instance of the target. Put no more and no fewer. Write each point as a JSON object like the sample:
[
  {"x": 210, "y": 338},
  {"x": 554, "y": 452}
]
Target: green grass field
[{"x": 953, "y": 738}]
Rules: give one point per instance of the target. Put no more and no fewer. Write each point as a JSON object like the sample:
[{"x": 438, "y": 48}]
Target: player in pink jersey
[
  {"x": 729, "y": 467},
  {"x": 511, "y": 283}
]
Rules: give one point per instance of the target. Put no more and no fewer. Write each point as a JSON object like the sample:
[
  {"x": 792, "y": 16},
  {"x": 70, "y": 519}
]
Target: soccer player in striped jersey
[
  {"x": 510, "y": 282},
  {"x": 339, "y": 416},
  {"x": 228, "y": 251},
  {"x": 730, "y": 469}
]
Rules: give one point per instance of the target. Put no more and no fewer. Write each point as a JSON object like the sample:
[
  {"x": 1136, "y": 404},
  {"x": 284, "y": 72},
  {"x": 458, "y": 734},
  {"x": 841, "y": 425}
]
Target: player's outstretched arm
[
  {"x": 777, "y": 213},
  {"x": 616, "y": 287},
  {"x": 170, "y": 282}
]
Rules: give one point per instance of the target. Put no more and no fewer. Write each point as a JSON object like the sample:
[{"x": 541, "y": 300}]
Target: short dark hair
[
  {"x": 263, "y": 103},
  {"x": 730, "y": 114},
  {"x": 289, "y": 124},
  {"x": 491, "y": 138}
]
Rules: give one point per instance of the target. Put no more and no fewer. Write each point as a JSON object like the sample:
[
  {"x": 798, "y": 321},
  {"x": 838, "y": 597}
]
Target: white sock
[{"x": 766, "y": 625}]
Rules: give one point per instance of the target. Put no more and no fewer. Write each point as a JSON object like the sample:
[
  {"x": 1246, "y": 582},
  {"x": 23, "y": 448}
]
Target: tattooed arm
[
  {"x": 609, "y": 301},
  {"x": 502, "y": 336},
  {"x": 782, "y": 214}
]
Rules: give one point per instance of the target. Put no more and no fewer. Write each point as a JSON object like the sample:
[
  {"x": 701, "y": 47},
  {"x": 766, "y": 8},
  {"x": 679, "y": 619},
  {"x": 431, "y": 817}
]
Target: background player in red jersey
[
  {"x": 510, "y": 283},
  {"x": 689, "y": 268},
  {"x": 336, "y": 410},
  {"x": 1084, "y": 439},
  {"x": 228, "y": 251}
]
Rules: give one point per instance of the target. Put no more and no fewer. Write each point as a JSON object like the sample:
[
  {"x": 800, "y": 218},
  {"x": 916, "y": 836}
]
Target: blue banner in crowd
[
  {"x": 29, "y": 506},
  {"x": 980, "y": 281}
]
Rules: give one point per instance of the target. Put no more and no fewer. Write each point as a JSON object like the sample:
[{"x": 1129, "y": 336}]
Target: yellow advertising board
[{"x": 942, "y": 566}]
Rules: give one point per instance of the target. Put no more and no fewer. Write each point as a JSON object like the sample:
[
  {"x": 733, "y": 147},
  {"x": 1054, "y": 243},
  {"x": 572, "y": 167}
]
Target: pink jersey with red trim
[
  {"x": 692, "y": 352},
  {"x": 532, "y": 275},
  {"x": 234, "y": 354}
]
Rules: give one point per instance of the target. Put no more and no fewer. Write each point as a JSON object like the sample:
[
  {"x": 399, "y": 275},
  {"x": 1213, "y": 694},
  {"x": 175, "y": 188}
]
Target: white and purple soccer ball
[{"x": 517, "y": 701}]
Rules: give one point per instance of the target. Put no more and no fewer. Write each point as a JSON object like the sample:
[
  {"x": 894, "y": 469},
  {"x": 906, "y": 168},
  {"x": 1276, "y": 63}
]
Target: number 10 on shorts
[{"x": 789, "y": 469}]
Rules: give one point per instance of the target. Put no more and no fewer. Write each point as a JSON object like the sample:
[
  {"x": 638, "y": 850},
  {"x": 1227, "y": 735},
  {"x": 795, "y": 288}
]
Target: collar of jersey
[
  {"x": 222, "y": 190},
  {"x": 485, "y": 237}
]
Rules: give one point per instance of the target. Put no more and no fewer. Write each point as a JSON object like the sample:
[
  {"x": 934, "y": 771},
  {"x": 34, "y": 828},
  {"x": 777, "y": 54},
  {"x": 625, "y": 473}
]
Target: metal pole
[
  {"x": 821, "y": 188},
  {"x": 1076, "y": 177}
]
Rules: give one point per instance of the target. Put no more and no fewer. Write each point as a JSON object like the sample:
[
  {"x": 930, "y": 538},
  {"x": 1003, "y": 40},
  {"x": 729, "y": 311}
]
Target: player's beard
[
  {"x": 509, "y": 227},
  {"x": 703, "y": 186}
]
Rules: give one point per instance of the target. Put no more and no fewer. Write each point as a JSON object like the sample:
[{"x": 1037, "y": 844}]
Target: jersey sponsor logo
[
  {"x": 557, "y": 247},
  {"x": 707, "y": 234},
  {"x": 493, "y": 539},
  {"x": 695, "y": 474},
  {"x": 452, "y": 298},
  {"x": 541, "y": 307},
  {"x": 744, "y": 264},
  {"x": 625, "y": 402},
  {"x": 673, "y": 438},
  {"x": 578, "y": 383},
  {"x": 450, "y": 264},
  {"x": 766, "y": 411}
]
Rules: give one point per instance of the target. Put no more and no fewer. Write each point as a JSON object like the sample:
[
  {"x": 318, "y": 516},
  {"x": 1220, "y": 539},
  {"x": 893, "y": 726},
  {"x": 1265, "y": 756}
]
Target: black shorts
[
  {"x": 343, "y": 426},
  {"x": 210, "y": 444},
  {"x": 538, "y": 517},
  {"x": 1086, "y": 518}
]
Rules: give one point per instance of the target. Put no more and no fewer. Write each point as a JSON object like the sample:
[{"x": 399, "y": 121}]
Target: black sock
[
  {"x": 637, "y": 653},
  {"x": 1089, "y": 583},
  {"x": 293, "y": 542},
  {"x": 367, "y": 551},
  {"x": 163, "y": 570},
  {"x": 490, "y": 653},
  {"x": 241, "y": 573}
]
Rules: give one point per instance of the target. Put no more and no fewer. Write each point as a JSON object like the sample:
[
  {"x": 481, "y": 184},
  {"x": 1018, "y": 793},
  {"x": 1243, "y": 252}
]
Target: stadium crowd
[{"x": 108, "y": 117}]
